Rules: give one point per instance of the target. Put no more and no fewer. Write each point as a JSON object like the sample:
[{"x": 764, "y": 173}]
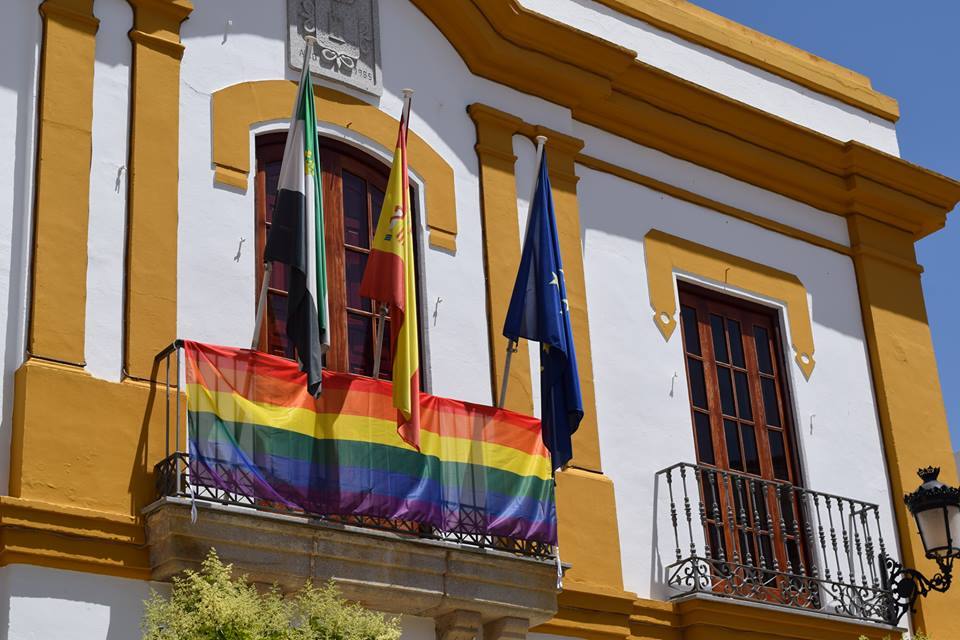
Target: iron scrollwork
[
  {"x": 774, "y": 543},
  {"x": 907, "y": 585}
]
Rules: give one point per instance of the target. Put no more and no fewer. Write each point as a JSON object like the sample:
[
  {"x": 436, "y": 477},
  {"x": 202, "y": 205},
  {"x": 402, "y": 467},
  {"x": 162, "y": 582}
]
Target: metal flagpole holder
[
  {"x": 382, "y": 314},
  {"x": 268, "y": 265},
  {"x": 512, "y": 344}
]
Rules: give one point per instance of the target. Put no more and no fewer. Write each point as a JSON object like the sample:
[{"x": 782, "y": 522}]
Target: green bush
[
  {"x": 920, "y": 635},
  {"x": 212, "y": 605}
]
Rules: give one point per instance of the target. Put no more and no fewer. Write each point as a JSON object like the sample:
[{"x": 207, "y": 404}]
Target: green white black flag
[{"x": 296, "y": 235}]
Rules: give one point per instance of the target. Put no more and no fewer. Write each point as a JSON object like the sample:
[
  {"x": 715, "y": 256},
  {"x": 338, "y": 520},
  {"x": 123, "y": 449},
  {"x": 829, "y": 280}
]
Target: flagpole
[
  {"x": 512, "y": 344},
  {"x": 378, "y": 346},
  {"x": 310, "y": 41},
  {"x": 261, "y": 304}
]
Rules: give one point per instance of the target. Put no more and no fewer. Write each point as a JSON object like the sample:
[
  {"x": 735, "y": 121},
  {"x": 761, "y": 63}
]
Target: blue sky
[{"x": 910, "y": 52}]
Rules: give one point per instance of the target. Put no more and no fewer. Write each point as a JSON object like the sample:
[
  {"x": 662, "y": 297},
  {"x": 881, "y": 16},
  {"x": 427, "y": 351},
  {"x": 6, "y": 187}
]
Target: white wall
[
  {"x": 19, "y": 48},
  {"x": 714, "y": 185},
  {"x": 641, "y": 385},
  {"x": 108, "y": 190},
  {"x": 37, "y": 603},
  {"x": 724, "y": 74}
]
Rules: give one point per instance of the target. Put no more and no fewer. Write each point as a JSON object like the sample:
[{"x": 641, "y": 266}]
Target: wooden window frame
[
  {"x": 749, "y": 315},
  {"x": 373, "y": 170}
]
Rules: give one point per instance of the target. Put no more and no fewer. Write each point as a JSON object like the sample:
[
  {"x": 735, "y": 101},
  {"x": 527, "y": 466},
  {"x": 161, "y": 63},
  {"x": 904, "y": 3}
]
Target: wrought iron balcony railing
[
  {"x": 739, "y": 536},
  {"x": 176, "y": 477},
  {"x": 232, "y": 484}
]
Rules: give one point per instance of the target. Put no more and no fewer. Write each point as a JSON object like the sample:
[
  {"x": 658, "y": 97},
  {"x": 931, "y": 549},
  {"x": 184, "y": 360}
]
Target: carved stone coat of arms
[{"x": 348, "y": 33}]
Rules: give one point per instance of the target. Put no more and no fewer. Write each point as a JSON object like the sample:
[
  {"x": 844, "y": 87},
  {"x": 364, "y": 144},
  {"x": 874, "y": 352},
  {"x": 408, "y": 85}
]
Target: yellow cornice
[
  {"x": 697, "y": 25},
  {"x": 164, "y": 15},
  {"x": 604, "y": 86}
]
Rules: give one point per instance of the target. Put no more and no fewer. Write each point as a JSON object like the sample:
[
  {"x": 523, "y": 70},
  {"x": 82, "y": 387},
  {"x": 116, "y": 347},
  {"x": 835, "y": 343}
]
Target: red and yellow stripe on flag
[{"x": 390, "y": 278}]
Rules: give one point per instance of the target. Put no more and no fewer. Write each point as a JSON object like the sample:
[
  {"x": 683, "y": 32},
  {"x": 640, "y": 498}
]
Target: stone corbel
[
  {"x": 506, "y": 629},
  {"x": 459, "y": 624}
]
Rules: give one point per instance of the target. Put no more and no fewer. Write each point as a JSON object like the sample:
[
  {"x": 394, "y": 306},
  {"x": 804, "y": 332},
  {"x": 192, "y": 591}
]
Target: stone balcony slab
[{"x": 385, "y": 571}]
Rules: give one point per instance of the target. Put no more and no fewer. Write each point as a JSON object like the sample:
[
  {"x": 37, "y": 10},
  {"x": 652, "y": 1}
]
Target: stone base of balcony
[{"x": 457, "y": 585}]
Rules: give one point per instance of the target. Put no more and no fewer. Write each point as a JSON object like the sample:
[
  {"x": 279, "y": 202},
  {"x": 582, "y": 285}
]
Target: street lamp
[{"x": 936, "y": 508}]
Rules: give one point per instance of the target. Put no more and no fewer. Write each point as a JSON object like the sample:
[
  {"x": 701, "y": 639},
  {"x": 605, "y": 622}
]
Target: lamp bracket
[{"x": 906, "y": 585}]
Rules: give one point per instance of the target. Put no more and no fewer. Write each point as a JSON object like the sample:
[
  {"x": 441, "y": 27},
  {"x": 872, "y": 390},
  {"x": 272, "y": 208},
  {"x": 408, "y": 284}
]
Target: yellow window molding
[
  {"x": 239, "y": 107},
  {"x": 667, "y": 255}
]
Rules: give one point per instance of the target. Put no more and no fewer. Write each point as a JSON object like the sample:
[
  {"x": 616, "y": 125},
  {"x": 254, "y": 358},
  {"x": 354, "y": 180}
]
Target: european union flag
[{"x": 539, "y": 312}]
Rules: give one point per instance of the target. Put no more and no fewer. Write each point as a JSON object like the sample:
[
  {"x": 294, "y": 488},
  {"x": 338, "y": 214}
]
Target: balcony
[
  {"x": 460, "y": 561},
  {"x": 738, "y": 536}
]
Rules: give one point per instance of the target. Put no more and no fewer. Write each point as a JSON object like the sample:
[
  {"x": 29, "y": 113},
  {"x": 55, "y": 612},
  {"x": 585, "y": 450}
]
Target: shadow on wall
[
  {"x": 658, "y": 575},
  {"x": 47, "y": 603}
]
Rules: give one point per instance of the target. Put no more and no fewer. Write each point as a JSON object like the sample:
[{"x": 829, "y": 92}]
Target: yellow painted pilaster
[
  {"x": 59, "y": 286},
  {"x": 501, "y": 247},
  {"x": 151, "y": 282},
  {"x": 912, "y": 416},
  {"x": 586, "y": 506}
]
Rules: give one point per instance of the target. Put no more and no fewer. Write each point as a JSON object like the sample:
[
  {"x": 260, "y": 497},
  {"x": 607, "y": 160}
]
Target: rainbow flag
[{"x": 255, "y": 430}]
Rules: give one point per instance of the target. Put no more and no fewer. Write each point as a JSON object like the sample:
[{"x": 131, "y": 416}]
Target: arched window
[{"x": 353, "y": 191}]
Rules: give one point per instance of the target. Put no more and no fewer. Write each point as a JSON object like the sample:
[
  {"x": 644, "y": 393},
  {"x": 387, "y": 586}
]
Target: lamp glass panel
[
  {"x": 953, "y": 517},
  {"x": 934, "y": 530}
]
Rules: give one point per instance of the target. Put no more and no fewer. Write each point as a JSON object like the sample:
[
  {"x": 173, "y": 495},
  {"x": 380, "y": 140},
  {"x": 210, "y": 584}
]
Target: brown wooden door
[
  {"x": 742, "y": 425},
  {"x": 353, "y": 192}
]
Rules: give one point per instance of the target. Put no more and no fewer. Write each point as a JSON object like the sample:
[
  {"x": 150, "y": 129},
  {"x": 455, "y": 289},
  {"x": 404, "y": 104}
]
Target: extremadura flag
[{"x": 296, "y": 236}]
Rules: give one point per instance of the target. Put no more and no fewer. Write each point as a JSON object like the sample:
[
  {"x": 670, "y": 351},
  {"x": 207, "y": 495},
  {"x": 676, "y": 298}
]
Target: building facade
[{"x": 738, "y": 238}]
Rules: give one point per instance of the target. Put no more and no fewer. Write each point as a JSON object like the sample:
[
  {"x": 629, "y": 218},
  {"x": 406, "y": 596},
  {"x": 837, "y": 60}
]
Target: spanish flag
[{"x": 389, "y": 278}]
